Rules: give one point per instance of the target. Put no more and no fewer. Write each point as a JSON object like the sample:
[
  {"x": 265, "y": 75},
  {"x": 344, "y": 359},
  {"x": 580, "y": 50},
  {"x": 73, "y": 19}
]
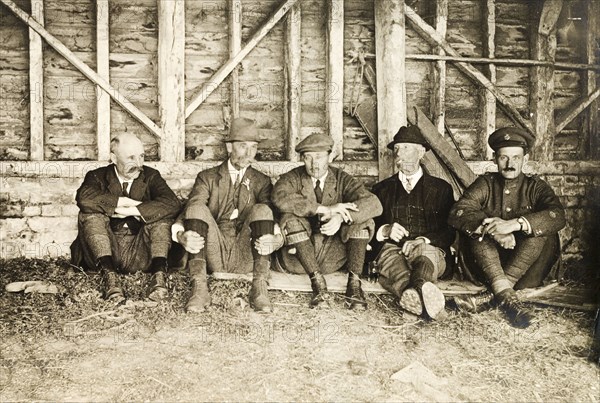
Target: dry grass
[{"x": 75, "y": 346}]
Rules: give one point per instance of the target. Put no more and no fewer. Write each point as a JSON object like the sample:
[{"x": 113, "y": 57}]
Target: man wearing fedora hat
[
  {"x": 227, "y": 224},
  {"x": 511, "y": 222},
  {"x": 327, "y": 219},
  {"x": 412, "y": 241}
]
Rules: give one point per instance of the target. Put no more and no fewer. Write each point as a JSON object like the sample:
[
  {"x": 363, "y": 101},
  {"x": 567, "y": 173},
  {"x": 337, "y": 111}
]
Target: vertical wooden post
[
  {"x": 591, "y": 123},
  {"x": 542, "y": 77},
  {"x": 36, "y": 85},
  {"x": 171, "y": 94},
  {"x": 293, "y": 80},
  {"x": 438, "y": 95},
  {"x": 488, "y": 100},
  {"x": 334, "y": 93},
  {"x": 235, "y": 45},
  {"x": 103, "y": 69},
  {"x": 391, "y": 86}
]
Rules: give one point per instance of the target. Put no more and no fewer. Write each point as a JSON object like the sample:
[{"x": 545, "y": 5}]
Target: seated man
[
  {"x": 511, "y": 222},
  {"x": 327, "y": 218},
  {"x": 126, "y": 212},
  {"x": 227, "y": 223},
  {"x": 412, "y": 235}
]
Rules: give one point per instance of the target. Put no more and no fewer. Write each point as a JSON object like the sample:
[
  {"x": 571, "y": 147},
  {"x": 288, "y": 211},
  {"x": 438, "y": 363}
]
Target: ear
[
  {"x": 229, "y": 147},
  {"x": 525, "y": 158},
  {"x": 422, "y": 152},
  {"x": 113, "y": 158}
]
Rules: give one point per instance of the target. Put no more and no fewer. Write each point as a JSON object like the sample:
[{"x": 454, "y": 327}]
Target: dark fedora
[
  {"x": 243, "y": 129},
  {"x": 410, "y": 134}
]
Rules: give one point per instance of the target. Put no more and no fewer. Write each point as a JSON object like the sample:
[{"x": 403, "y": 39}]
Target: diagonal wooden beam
[
  {"x": 221, "y": 74},
  {"x": 575, "y": 109},
  {"x": 84, "y": 68},
  {"x": 434, "y": 38}
]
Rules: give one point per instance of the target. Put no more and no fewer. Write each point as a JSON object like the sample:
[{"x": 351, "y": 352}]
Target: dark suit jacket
[
  {"x": 100, "y": 192},
  {"x": 438, "y": 200},
  {"x": 211, "y": 187}
]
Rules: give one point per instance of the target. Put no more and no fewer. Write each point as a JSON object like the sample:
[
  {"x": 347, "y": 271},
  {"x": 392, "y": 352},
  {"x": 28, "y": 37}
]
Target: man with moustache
[
  {"x": 227, "y": 224},
  {"x": 412, "y": 241},
  {"x": 126, "y": 212},
  {"x": 511, "y": 222},
  {"x": 327, "y": 218}
]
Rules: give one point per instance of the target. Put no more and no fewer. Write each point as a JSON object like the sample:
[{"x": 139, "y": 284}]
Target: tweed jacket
[
  {"x": 211, "y": 187},
  {"x": 101, "y": 189},
  {"x": 493, "y": 196},
  {"x": 294, "y": 193},
  {"x": 437, "y": 201}
]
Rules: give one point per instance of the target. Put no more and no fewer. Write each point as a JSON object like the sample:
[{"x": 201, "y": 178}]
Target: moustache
[
  {"x": 509, "y": 169},
  {"x": 133, "y": 170}
]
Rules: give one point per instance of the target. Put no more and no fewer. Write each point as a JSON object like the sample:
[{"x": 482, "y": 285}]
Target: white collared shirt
[
  {"x": 321, "y": 179},
  {"x": 123, "y": 180},
  {"x": 234, "y": 173},
  {"x": 414, "y": 179}
]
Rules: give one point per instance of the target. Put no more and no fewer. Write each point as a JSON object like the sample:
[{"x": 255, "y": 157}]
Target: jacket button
[
  {"x": 508, "y": 209},
  {"x": 507, "y": 191}
]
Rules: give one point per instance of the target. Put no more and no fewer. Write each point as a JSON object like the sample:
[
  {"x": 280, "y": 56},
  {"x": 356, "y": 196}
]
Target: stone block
[
  {"x": 51, "y": 210},
  {"x": 32, "y": 211}
]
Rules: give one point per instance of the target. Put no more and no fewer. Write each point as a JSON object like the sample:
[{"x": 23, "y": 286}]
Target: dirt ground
[{"x": 76, "y": 347}]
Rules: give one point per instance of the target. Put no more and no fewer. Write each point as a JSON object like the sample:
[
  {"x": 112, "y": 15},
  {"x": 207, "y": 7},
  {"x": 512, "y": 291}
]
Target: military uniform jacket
[
  {"x": 437, "y": 201},
  {"x": 212, "y": 185},
  {"x": 493, "y": 196},
  {"x": 100, "y": 191},
  {"x": 294, "y": 193}
]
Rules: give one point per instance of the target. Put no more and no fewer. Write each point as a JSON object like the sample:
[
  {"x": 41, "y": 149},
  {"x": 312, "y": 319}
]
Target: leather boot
[
  {"x": 259, "y": 295},
  {"x": 157, "y": 287},
  {"x": 355, "y": 298},
  {"x": 200, "y": 298},
  {"x": 319, "y": 288},
  {"x": 518, "y": 314},
  {"x": 112, "y": 289}
]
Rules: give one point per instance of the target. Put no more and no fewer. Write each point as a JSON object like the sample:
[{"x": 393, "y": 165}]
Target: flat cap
[
  {"x": 243, "y": 129},
  {"x": 511, "y": 137},
  {"x": 315, "y": 142},
  {"x": 410, "y": 134}
]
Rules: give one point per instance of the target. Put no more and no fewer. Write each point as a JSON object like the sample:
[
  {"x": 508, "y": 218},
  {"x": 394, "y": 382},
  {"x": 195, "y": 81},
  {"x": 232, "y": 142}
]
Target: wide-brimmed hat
[
  {"x": 243, "y": 129},
  {"x": 410, "y": 134}
]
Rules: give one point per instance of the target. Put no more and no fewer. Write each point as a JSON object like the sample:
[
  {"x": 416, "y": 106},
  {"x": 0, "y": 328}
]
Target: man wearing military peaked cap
[
  {"x": 228, "y": 224},
  {"x": 327, "y": 219},
  {"x": 511, "y": 223},
  {"x": 511, "y": 137}
]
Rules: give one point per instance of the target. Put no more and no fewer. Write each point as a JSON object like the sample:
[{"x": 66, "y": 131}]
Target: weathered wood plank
[
  {"x": 235, "y": 45},
  {"x": 488, "y": 101},
  {"x": 103, "y": 69},
  {"x": 438, "y": 94},
  {"x": 391, "y": 87},
  {"x": 542, "y": 78},
  {"x": 226, "y": 68},
  {"x": 432, "y": 36},
  {"x": 85, "y": 69},
  {"x": 36, "y": 85},
  {"x": 171, "y": 75},
  {"x": 575, "y": 109},
  {"x": 591, "y": 126},
  {"x": 293, "y": 80},
  {"x": 334, "y": 101},
  {"x": 442, "y": 148}
]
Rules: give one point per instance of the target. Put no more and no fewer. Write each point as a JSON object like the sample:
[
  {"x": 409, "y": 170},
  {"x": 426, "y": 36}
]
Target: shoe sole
[
  {"x": 433, "y": 300},
  {"x": 411, "y": 301},
  {"x": 158, "y": 295}
]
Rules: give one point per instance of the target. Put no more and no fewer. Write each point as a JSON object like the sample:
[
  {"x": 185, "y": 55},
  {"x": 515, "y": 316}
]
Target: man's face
[
  {"x": 128, "y": 157},
  {"x": 242, "y": 153},
  {"x": 316, "y": 163},
  {"x": 510, "y": 161},
  {"x": 408, "y": 157}
]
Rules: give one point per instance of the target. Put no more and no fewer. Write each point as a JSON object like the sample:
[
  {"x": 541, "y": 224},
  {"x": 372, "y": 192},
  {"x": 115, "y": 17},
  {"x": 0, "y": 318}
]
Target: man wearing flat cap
[
  {"x": 327, "y": 219},
  {"x": 511, "y": 222},
  {"x": 412, "y": 241},
  {"x": 227, "y": 224}
]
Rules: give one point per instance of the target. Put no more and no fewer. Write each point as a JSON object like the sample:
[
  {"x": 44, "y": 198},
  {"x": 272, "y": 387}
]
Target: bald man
[{"x": 126, "y": 212}]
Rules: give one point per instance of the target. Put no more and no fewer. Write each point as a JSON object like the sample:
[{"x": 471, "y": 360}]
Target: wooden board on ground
[
  {"x": 562, "y": 296},
  {"x": 336, "y": 282}
]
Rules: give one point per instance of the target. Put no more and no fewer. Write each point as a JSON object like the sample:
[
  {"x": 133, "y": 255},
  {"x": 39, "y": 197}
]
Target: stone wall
[{"x": 38, "y": 214}]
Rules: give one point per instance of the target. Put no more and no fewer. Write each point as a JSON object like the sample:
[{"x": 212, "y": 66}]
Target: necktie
[
  {"x": 238, "y": 180},
  {"x": 318, "y": 191},
  {"x": 125, "y": 192},
  {"x": 409, "y": 186}
]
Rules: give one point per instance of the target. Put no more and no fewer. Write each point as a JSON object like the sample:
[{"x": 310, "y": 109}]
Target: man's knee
[
  {"x": 260, "y": 212},
  {"x": 296, "y": 229},
  {"x": 198, "y": 212},
  {"x": 92, "y": 218}
]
